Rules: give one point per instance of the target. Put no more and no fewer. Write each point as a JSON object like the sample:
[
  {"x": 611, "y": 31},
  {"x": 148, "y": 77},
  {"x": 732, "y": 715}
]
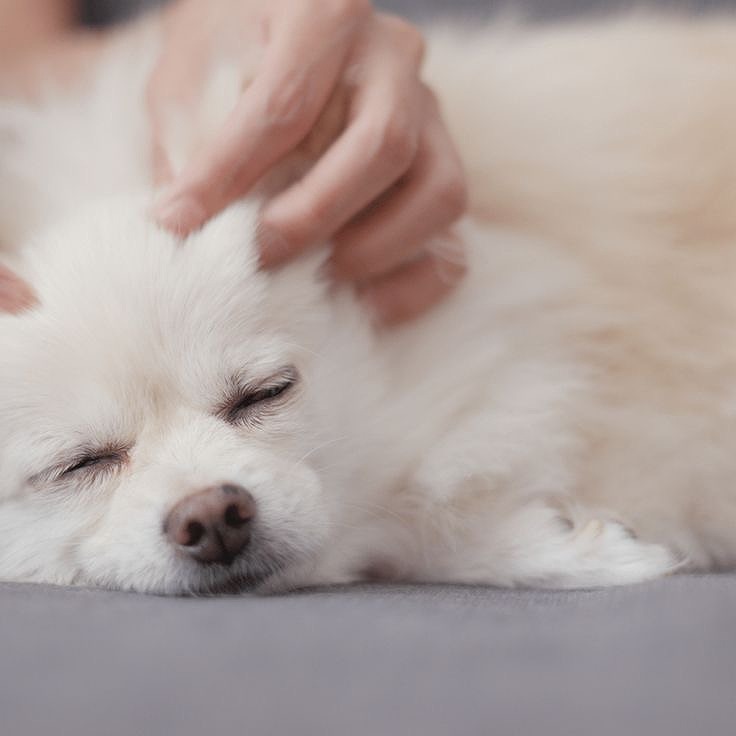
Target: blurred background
[{"x": 98, "y": 12}]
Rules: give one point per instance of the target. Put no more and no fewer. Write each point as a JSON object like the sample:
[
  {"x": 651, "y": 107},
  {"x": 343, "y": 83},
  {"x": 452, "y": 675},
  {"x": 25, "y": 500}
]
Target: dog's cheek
[{"x": 37, "y": 542}]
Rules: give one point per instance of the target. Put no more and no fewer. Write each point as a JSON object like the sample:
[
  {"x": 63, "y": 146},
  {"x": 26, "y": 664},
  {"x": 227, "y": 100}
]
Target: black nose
[{"x": 213, "y": 525}]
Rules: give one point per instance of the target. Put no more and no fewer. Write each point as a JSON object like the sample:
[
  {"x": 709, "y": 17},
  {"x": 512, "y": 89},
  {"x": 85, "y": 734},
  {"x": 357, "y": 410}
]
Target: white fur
[{"x": 567, "y": 418}]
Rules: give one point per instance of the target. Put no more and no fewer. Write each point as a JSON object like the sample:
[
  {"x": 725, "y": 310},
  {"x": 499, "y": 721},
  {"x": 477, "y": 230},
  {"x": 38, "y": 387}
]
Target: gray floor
[{"x": 654, "y": 660}]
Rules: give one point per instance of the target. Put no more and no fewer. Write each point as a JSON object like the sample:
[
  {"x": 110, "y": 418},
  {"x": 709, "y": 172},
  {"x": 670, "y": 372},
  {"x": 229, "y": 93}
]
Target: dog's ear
[{"x": 15, "y": 294}]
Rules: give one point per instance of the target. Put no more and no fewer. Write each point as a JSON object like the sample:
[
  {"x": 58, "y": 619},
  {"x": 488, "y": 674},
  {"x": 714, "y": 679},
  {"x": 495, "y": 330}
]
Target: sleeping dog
[{"x": 174, "y": 420}]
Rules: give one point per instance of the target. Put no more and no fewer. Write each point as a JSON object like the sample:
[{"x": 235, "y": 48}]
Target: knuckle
[
  {"x": 450, "y": 265},
  {"x": 286, "y": 103},
  {"x": 453, "y": 192},
  {"x": 347, "y": 10},
  {"x": 310, "y": 218},
  {"x": 431, "y": 100},
  {"x": 407, "y": 36},
  {"x": 397, "y": 141}
]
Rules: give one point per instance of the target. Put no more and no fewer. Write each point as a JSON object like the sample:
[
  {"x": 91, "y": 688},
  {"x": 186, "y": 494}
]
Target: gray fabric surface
[{"x": 654, "y": 660}]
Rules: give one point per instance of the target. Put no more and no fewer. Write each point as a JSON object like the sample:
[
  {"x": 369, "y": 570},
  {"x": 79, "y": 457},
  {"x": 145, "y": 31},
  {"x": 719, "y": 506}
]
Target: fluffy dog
[{"x": 174, "y": 420}]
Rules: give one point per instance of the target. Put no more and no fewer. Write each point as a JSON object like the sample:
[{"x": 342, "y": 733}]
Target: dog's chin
[
  {"x": 274, "y": 573},
  {"x": 219, "y": 580},
  {"x": 229, "y": 585}
]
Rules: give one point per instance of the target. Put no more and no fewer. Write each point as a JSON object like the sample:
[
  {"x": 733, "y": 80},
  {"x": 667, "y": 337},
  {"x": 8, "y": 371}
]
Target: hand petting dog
[{"x": 385, "y": 193}]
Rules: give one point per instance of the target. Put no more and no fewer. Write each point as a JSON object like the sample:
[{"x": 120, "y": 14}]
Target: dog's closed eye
[
  {"x": 245, "y": 401},
  {"x": 94, "y": 461},
  {"x": 86, "y": 463}
]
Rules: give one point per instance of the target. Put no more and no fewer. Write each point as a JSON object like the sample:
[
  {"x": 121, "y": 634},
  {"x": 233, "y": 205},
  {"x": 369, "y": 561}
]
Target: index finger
[{"x": 274, "y": 114}]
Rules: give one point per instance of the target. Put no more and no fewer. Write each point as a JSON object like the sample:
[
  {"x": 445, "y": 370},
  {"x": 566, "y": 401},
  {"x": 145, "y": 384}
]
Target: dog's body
[{"x": 568, "y": 418}]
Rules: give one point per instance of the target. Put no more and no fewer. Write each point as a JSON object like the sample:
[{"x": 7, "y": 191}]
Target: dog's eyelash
[
  {"x": 85, "y": 464},
  {"x": 245, "y": 400},
  {"x": 93, "y": 462}
]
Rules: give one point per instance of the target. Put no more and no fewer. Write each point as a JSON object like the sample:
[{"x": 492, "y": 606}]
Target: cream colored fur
[{"x": 568, "y": 418}]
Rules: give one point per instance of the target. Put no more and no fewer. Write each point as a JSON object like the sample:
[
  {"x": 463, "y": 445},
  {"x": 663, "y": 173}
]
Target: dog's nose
[{"x": 213, "y": 525}]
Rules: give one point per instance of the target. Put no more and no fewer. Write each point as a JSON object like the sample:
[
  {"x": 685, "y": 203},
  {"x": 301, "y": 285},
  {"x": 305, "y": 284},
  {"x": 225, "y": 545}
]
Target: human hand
[{"x": 387, "y": 190}]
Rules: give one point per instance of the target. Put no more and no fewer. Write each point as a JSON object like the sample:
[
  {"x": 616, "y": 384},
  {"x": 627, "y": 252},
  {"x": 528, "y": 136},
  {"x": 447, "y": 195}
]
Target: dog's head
[{"x": 155, "y": 427}]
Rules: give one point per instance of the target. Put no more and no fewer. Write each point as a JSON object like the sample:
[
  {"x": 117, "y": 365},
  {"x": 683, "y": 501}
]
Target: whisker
[
  {"x": 317, "y": 448},
  {"x": 377, "y": 509}
]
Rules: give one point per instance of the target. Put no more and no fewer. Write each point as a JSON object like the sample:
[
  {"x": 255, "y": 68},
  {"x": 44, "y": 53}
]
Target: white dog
[{"x": 173, "y": 420}]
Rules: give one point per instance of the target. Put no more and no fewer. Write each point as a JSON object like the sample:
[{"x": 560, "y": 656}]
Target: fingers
[
  {"x": 378, "y": 147},
  {"x": 431, "y": 198},
  {"x": 179, "y": 74},
  {"x": 388, "y": 184},
  {"x": 414, "y": 288},
  {"x": 307, "y": 48},
  {"x": 402, "y": 178}
]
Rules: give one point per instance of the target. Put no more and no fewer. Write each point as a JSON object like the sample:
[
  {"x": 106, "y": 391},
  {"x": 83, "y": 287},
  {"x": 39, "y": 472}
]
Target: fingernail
[
  {"x": 273, "y": 247},
  {"x": 180, "y": 215},
  {"x": 15, "y": 296}
]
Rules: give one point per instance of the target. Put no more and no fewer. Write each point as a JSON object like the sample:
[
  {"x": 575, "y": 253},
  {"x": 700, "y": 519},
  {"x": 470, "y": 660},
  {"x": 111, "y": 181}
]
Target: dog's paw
[
  {"x": 555, "y": 549},
  {"x": 607, "y": 553}
]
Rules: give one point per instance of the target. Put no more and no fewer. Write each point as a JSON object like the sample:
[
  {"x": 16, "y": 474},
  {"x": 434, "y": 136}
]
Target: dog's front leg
[{"x": 538, "y": 543}]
